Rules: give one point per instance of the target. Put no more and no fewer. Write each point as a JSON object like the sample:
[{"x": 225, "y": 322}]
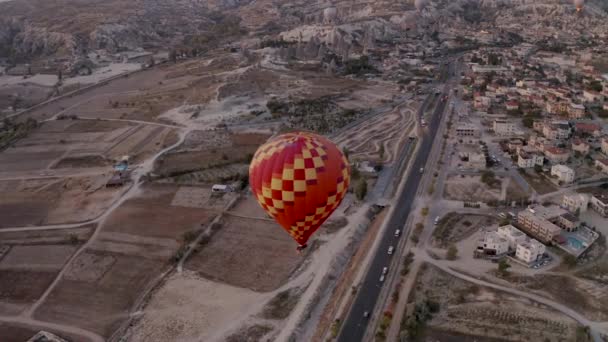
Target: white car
[
  {"x": 382, "y": 278},
  {"x": 397, "y": 233},
  {"x": 384, "y": 270},
  {"x": 390, "y": 250},
  {"x": 437, "y": 220},
  {"x": 502, "y": 215}
]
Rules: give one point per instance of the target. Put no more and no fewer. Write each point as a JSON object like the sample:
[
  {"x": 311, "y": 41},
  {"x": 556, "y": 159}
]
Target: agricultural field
[
  {"x": 457, "y": 309},
  {"x": 136, "y": 243},
  {"x": 30, "y": 261},
  {"x": 210, "y": 155},
  {"x": 55, "y": 200},
  {"x": 247, "y": 252}
]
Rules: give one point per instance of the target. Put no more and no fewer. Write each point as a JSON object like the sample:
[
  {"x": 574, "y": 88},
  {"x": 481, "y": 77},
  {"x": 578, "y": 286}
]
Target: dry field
[
  {"x": 250, "y": 253},
  {"x": 466, "y": 311},
  {"x": 99, "y": 285},
  {"x": 41, "y": 237},
  {"x": 53, "y": 201},
  {"x": 470, "y": 189},
  {"x": 587, "y": 297},
  {"x": 204, "y": 150},
  {"x": 136, "y": 243},
  {"x": 20, "y": 333},
  {"x": 454, "y": 227},
  {"x": 190, "y": 308}
]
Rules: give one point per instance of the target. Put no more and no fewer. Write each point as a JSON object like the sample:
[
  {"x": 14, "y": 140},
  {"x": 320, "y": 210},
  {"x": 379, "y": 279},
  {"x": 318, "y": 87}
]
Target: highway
[{"x": 355, "y": 324}]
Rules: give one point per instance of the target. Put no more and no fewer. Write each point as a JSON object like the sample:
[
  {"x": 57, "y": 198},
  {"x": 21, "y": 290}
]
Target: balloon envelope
[{"x": 299, "y": 179}]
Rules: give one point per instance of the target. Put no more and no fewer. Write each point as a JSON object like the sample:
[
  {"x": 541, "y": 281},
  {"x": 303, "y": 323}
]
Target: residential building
[
  {"x": 557, "y": 155},
  {"x": 513, "y": 235},
  {"x": 602, "y": 164},
  {"x": 45, "y": 336},
  {"x": 483, "y": 69},
  {"x": 512, "y": 105},
  {"x": 467, "y": 130},
  {"x": 538, "y": 125},
  {"x": 599, "y": 203},
  {"x": 527, "y": 159},
  {"x": 503, "y": 127},
  {"x": 580, "y": 146},
  {"x": 591, "y": 96},
  {"x": 530, "y": 251},
  {"x": 589, "y": 128},
  {"x": 567, "y": 222},
  {"x": 482, "y": 102},
  {"x": 493, "y": 244},
  {"x": 605, "y": 145},
  {"x": 576, "y": 202},
  {"x": 556, "y": 131},
  {"x": 563, "y": 173},
  {"x": 538, "y": 226},
  {"x": 514, "y": 144},
  {"x": 576, "y": 111}
]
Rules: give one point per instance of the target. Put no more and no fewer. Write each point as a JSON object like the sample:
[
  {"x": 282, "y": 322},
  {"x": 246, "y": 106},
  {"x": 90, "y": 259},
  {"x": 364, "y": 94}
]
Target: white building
[
  {"x": 576, "y": 202},
  {"x": 591, "y": 96},
  {"x": 605, "y": 145},
  {"x": 503, "y": 127},
  {"x": 529, "y": 251},
  {"x": 467, "y": 130},
  {"x": 527, "y": 160},
  {"x": 563, "y": 173},
  {"x": 494, "y": 244},
  {"x": 599, "y": 203},
  {"x": 513, "y": 235}
]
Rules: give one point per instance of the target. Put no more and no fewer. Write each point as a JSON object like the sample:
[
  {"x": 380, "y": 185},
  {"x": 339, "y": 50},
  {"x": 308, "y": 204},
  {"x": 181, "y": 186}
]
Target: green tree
[
  {"x": 361, "y": 189},
  {"x": 354, "y": 173},
  {"x": 503, "y": 267},
  {"x": 527, "y": 121},
  {"x": 346, "y": 152},
  {"x": 424, "y": 211},
  {"x": 452, "y": 253},
  {"x": 381, "y": 152}
]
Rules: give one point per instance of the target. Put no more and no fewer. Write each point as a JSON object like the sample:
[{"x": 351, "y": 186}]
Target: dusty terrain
[
  {"x": 473, "y": 311},
  {"x": 454, "y": 227},
  {"x": 471, "y": 189}
]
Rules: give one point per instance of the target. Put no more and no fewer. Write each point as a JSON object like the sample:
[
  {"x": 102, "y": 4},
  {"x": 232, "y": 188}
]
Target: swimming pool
[{"x": 575, "y": 243}]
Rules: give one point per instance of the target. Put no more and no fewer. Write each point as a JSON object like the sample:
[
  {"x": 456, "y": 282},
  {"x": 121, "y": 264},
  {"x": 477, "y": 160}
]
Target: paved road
[{"x": 355, "y": 324}]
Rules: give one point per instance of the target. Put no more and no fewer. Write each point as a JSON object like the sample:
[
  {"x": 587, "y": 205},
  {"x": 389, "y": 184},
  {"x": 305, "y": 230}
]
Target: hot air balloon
[
  {"x": 420, "y": 4},
  {"x": 299, "y": 179},
  {"x": 579, "y": 5}
]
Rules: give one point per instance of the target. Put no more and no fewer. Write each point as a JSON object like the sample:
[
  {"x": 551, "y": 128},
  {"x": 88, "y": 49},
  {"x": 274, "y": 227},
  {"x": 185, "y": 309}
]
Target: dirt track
[{"x": 388, "y": 129}]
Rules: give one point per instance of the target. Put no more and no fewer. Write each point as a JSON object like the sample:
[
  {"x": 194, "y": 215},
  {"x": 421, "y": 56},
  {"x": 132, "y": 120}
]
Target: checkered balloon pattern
[{"x": 299, "y": 179}]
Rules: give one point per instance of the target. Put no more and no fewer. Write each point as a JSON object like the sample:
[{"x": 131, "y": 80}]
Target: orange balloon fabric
[{"x": 299, "y": 179}]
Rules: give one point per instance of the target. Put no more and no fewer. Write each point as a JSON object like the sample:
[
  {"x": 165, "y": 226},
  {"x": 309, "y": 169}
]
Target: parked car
[
  {"x": 390, "y": 250},
  {"x": 382, "y": 278},
  {"x": 397, "y": 233},
  {"x": 384, "y": 270}
]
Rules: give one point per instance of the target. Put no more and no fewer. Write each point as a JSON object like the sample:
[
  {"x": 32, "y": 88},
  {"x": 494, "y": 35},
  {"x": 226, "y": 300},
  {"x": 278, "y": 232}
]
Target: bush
[
  {"x": 424, "y": 211},
  {"x": 361, "y": 189},
  {"x": 452, "y": 253}
]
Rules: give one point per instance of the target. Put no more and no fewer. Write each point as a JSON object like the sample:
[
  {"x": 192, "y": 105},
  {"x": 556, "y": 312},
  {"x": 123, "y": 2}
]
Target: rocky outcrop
[
  {"x": 20, "y": 39},
  {"x": 117, "y": 37}
]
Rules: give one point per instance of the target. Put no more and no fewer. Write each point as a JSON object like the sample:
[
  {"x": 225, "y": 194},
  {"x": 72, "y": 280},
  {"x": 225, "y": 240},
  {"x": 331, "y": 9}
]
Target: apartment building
[
  {"x": 599, "y": 203},
  {"x": 530, "y": 251},
  {"x": 576, "y": 202},
  {"x": 563, "y": 173},
  {"x": 503, "y": 127},
  {"x": 538, "y": 226}
]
